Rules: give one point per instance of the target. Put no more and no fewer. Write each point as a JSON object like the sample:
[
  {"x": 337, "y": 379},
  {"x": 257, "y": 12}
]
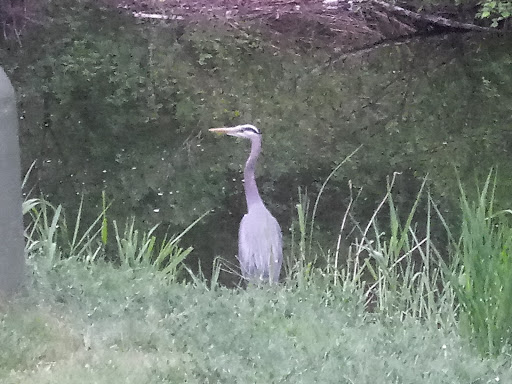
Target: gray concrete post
[{"x": 12, "y": 258}]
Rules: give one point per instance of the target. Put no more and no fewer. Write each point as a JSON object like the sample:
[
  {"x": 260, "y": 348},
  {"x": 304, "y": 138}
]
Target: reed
[{"x": 484, "y": 274}]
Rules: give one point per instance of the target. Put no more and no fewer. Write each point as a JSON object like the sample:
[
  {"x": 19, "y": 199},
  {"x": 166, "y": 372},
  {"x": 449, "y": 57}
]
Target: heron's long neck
[{"x": 252, "y": 195}]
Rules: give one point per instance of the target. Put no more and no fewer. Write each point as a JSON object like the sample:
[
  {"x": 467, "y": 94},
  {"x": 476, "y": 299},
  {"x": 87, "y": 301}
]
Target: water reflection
[{"x": 425, "y": 106}]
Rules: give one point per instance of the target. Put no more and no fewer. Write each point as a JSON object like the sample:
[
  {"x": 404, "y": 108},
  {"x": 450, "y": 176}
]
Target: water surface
[{"x": 112, "y": 104}]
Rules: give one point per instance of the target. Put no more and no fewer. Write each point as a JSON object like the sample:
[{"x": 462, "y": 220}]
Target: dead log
[{"x": 437, "y": 21}]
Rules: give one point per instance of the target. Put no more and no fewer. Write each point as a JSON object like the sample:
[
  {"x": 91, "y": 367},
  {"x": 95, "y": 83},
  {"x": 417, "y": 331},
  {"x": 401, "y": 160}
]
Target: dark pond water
[{"x": 109, "y": 103}]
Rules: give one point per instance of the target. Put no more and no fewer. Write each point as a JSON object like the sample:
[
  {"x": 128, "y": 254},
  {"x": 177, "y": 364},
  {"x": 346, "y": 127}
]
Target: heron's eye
[{"x": 250, "y": 129}]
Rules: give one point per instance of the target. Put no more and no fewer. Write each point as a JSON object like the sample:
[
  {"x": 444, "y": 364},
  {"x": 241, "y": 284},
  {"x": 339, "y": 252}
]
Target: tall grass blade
[
  {"x": 315, "y": 207},
  {"x": 483, "y": 277}
]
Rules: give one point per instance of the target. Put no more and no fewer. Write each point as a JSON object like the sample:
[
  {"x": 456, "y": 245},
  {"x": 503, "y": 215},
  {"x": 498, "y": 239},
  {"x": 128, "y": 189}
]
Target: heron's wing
[
  {"x": 274, "y": 247},
  {"x": 245, "y": 248},
  {"x": 260, "y": 245}
]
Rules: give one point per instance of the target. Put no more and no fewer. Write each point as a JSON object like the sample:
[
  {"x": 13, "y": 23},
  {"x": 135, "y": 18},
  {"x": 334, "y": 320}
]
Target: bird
[{"x": 260, "y": 244}]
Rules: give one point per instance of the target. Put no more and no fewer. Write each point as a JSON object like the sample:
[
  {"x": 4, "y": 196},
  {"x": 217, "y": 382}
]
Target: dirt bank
[{"x": 346, "y": 25}]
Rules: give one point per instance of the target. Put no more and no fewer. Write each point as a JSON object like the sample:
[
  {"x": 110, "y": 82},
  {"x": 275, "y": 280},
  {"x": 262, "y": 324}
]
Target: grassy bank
[
  {"x": 96, "y": 323},
  {"x": 387, "y": 309}
]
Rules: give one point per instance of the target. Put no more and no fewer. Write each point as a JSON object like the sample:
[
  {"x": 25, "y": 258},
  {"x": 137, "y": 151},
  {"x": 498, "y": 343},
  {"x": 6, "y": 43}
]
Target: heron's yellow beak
[{"x": 224, "y": 130}]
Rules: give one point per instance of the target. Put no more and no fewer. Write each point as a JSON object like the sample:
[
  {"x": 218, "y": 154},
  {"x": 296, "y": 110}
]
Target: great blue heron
[{"x": 260, "y": 248}]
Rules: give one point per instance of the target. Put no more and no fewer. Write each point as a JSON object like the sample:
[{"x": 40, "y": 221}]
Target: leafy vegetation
[
  {"x": 396, "y": 268},
  {"x": 49, "y": 234},
  {"x": 496, "y": 10},
  {"x": 388, "y": 301},
  {"x": 484, "y": 288}
]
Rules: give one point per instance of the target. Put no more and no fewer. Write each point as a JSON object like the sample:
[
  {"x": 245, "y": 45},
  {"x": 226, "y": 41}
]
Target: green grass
[
  {"x": 484, "y": 286},
  {"x": 96, "y": 323},
  {"x": 384, "y": 309},
  {"x": 393, "y": 266}
]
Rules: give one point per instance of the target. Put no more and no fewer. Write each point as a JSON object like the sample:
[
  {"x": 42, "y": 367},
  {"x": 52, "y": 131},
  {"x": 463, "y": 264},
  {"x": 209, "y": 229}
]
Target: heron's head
[{"x": 246, "y": 131}]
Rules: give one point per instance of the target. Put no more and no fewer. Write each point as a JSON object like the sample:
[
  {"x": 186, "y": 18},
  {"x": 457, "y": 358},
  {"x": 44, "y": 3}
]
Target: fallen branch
[
  {"x": 429, "y": 19},
  {"x": 156, "y": 16}
]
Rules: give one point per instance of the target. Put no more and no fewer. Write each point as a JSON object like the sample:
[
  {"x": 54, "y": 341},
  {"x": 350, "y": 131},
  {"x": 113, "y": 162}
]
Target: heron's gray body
[{"x": 260, "y": 247}]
